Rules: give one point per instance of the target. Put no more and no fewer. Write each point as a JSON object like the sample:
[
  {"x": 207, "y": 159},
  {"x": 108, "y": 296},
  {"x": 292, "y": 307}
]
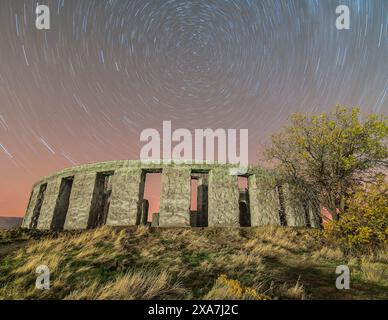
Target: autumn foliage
[
  {"x": 328, "y": 156},
  {"x": 364, "y": 224}
]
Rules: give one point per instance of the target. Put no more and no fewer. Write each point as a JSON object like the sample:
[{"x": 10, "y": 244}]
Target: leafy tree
[
  {"x": 326, "y": 156},
  {"x": 365, "y": 222}
]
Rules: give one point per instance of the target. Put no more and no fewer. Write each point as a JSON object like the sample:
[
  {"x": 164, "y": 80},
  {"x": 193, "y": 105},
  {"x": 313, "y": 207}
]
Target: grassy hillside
[{"x": 210, "y": 263}]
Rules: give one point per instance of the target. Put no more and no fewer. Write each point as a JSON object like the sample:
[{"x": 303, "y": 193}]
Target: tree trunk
[{"x": 342, "y": 204}]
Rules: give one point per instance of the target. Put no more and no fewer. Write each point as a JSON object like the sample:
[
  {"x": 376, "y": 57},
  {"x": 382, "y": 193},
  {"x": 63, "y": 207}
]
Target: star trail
[{"x": 83, "y": 91}]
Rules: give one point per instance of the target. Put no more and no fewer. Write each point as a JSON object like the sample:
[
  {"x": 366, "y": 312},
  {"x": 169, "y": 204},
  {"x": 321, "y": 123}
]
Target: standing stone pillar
[
  {"x": 144, "y": 212},
  {"x": 31, "y": 206},
  {"x": 175, "y": 197},
  {"x": 124, "y": 205},
  {"x": 294, "y": 208},
  {"x": 201, "y": 217},
  {"x": 244, "y": 207},
  {"x": 314, "y": 212},
  {"x": 49, "y": 202},
  {"x": 194, "y": 218},
  {"x": 264, "y": 200},
  {"x": 155, "y": 219},
  {"x": 223, "y": 198},
  {"x": 80, "y": 201}
]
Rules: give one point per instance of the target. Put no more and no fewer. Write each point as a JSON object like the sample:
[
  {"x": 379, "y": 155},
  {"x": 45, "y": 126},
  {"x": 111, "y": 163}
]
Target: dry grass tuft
[
  {"x": 293, "y": 292},
  {"x": 229, "y": 289},
  {"x": 329, "y": 253},
  {"x": 140, "y": 285},
  {"x": 375, "y": 272}
]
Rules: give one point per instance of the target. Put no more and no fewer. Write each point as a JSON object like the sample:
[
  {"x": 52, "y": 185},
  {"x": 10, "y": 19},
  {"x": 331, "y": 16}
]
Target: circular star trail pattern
[{"x": 84, "y": 90}]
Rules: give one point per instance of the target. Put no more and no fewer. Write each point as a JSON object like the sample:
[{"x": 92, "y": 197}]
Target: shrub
[
  {"x": 229, "y": 289},
  {"x": 364, "y": 225}
]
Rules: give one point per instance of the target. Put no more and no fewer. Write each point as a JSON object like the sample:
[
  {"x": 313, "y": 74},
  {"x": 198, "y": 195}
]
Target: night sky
[{"x": 83, "y": 91}]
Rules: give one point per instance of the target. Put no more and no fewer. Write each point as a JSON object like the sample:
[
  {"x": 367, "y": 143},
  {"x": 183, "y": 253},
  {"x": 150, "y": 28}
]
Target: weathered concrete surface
[
  {"x": 48, "y": 205},
  {"x": 295, "y": 211},
  {"x": 124, "y": 205},
  {"x": 193, "y": 218},
  {"x": 314, "y": 213},
  {"x": 264, "y": 200},
  {"x": 267, "y": 202},
  {"x": 80, "y": 201},
  {"x": 155, "y": 219},
  {"x": 62, "y": 205},
  {"x": 30, "y": 207},
  {"x": 175, "y": 197},
  {"x": 101, "y": 200},
  {"x": 202, "y": 200},
  {"x": 144, "y": 212},
  {"x": 223, "y": 198},
  {"x": 244, "y": 208}
]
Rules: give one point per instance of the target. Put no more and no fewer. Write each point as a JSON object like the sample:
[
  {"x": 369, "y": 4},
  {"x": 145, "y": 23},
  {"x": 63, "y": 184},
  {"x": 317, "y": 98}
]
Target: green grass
[{"x": 179, "y": 263}]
